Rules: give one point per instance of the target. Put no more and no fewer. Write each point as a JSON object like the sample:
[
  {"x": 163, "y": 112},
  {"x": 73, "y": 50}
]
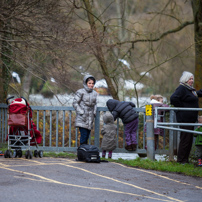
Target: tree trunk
[
  {"x": 197, "y": 12},
  {"x": 26, "y": 83},
  {"x": 5, "y": 63},
  {"x": 98, "y": 50}
]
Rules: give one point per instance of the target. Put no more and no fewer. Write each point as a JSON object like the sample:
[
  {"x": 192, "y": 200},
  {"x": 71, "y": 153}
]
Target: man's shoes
[{"x": 183, "y": 162}]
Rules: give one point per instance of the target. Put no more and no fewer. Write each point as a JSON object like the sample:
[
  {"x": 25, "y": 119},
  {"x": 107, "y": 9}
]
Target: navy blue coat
[
  {"x": 183, "y": 97},
  {"x": 123, "y": 110}
]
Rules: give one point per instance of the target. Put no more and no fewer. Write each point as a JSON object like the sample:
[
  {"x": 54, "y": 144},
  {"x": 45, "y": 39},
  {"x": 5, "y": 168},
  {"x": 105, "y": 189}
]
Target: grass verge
[{"x": 165, "y": 166}]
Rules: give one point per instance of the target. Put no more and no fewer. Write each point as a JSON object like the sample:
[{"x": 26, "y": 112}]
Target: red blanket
[{"x": 19, "y": 107}]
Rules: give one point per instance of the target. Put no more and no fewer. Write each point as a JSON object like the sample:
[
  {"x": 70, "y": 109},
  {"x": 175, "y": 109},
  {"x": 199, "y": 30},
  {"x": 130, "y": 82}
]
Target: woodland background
[{"x": 46, "y": 40}]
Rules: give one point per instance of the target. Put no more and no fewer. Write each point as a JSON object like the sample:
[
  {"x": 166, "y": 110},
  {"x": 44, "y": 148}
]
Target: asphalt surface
[{"x": 61, "y": 179}]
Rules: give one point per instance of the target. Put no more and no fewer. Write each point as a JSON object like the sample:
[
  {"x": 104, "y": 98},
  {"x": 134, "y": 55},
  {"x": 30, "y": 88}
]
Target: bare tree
[
  {"x": 197, "y": 12},
  {"x": 147, "y": 43},
  {"x": 63, "y": 39},
  {"x": 29, "y": 30},
  {"x": 19, "y": 30}
]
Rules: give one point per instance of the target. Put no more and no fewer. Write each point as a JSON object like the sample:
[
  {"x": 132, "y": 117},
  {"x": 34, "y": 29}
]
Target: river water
[{"x": 67, "y": 99}]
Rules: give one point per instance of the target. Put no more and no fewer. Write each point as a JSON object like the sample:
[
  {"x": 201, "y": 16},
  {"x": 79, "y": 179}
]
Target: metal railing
[
  {"x": 56, "y": 125},
  {"x": 173, "y": 126}
]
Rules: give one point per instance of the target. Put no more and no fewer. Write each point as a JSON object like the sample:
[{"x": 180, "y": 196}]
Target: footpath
[{"x": 62, "y": 179}]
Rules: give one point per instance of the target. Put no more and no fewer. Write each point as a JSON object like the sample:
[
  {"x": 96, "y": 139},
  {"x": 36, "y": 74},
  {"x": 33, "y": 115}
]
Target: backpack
[{"x": 88, "y": 153}]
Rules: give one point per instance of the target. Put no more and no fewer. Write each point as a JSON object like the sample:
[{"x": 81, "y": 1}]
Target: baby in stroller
[{"x": 22, "y": 131}]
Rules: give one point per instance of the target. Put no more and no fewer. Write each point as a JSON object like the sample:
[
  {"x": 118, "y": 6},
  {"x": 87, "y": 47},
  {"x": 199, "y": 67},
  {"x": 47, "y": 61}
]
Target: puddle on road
[{"x": 128, "y": 156}]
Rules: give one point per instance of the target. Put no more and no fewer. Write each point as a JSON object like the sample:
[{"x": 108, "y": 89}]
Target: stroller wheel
[
  {"x": 6, "y": 154},
  {"x": 9, "y": 154},
  {"x": 40, "y": 153},
  {"x": 15, "y": 153},
  {"x": 28, "y": 154},
  {"x": 35, "y": 153},
  {"x": 19, "y": 153}
]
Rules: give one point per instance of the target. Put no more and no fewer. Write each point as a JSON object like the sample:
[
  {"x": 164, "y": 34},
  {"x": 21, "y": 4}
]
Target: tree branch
[
  {"x": 163, "y": 63},
  {"x": 160, "y": 37}
]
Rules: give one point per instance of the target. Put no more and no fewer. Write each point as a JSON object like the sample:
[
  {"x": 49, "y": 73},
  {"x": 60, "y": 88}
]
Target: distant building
[
  {"x": 130, "y": 84},
  {"x": 101, "y": 87}
]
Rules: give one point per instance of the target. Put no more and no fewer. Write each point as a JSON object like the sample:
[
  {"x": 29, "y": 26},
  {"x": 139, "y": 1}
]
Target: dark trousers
[
  {"x": 186, "y": 140},
  {"x": 130, "y": 132},
  {"x": 84, "y": 135}
]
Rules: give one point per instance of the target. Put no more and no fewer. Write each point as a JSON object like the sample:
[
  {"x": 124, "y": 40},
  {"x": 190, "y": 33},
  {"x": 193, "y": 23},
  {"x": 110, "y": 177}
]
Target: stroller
[{"x": 22, "y": 132}]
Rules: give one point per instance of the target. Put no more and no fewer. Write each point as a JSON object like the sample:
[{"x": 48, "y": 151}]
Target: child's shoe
[
  {"x": 199, "y": 162},
  {"x": 103, "y": 154},
  {"x": 110, "y": 154},
  {"x": 134, "y": 146},
  {"x": 128, "y": 147}
]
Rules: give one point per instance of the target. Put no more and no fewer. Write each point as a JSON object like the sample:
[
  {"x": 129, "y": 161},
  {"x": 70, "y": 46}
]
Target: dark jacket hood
[
  {"x": 111, "y": 104},
  {"x": 123, "y": 110}
]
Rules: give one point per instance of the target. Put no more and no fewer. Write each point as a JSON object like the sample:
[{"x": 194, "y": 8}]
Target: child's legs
[
  {"x": 110, "y": 154},
  {"x": 130, "y": 132},
  {"x": 134, "y": 131},
  {"x": 156, "y": 140},
  {"x": 127, "y": 129},
  {"x": 84, "y": 135},
  {"x": 199, "y": 151},
  {"x": 103, "y": 153}
]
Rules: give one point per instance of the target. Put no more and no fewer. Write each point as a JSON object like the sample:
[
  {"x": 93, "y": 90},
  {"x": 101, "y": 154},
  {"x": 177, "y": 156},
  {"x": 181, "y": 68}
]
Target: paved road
[{"x": 62, "y": 179}]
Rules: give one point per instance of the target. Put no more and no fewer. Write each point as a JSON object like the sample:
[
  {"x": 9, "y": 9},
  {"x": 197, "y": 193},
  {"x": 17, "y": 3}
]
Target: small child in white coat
[{"x": 108, "y": 131}]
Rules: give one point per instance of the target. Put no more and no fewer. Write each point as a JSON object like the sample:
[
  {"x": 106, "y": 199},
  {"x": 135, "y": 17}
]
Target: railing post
[
  {"x": 175, "y": 137},
  {"x": 171, "y": 132},
  {"x": 97, "y": 129},
  {"x": 150, "y": 132}
]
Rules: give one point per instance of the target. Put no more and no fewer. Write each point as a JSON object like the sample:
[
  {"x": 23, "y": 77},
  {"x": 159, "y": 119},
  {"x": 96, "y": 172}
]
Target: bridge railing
[
  {"x": 56, "y": 125},
  {"x": 174, "y": 127}
]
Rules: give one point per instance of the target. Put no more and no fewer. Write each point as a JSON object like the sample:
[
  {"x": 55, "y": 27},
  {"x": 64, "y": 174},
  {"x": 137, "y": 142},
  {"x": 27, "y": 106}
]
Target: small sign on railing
[{"x": 148, "y": 110}]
